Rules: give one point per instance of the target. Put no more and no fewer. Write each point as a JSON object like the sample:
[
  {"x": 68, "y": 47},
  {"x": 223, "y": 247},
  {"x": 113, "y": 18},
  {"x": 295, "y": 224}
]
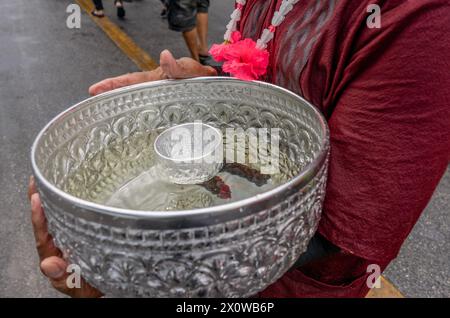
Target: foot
[
  {"x": 98, "y": 13},
  {"x": 120, "y": 9}
]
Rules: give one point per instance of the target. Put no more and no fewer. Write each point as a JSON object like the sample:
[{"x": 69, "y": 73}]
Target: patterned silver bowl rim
[{"x": 218, "y": 213}]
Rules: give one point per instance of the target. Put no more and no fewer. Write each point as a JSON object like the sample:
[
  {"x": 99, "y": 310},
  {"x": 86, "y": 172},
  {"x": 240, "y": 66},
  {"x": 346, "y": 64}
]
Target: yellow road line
[
  {"x": 387, "y": 290},
  {"x": 120, "y": 38},
  {"x": 146, "y": 63}
]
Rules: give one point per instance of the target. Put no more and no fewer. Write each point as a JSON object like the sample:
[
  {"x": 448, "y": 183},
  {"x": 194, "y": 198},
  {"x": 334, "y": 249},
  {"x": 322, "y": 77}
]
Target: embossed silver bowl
[{"x": 231, "y": 250}]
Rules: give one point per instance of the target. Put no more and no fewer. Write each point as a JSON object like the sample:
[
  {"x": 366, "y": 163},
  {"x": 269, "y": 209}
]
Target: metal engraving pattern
[{"x": 225, "y": 251}]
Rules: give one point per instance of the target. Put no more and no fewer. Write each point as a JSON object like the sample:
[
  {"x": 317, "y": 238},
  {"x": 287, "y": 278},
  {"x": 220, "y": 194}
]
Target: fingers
[
  {"x": 52, "y": 265},
  {"x": 124, "y": 80},
  {"x": 117, "y": 82},
  {"x": 183, "y": 68},
  {"x": 31, "y": 187},
  {"x": 55, "y": 269},
  {"x": 195, "y": 69},
  {"x": 169, "y": 68},
  {"x": 44, "y": 242}
]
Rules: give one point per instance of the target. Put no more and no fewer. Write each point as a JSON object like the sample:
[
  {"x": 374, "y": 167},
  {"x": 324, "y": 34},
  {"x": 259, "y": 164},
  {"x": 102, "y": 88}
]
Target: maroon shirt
[{"x": 385, "y": 93}]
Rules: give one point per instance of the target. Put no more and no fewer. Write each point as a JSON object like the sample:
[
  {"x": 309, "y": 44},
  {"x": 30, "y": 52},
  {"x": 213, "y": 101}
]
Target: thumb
[
  {"x": 54, "y": 268},
  {"x": 169, "y": 65}
]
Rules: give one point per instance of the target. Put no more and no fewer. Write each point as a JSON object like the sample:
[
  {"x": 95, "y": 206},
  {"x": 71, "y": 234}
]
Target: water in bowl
[{"x": 124, "y": 174}]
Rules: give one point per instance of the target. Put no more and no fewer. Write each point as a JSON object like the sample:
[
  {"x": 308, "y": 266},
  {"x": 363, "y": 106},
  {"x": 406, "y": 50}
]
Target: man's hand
[
  {"x": 52, "y": 264},
  {"x": 169, "y": 69}
]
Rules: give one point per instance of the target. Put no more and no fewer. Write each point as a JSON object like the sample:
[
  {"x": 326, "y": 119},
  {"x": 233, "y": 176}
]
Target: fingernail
[
  {"x": 34, "y": 199},
  {"x": 54, "y": 273}
]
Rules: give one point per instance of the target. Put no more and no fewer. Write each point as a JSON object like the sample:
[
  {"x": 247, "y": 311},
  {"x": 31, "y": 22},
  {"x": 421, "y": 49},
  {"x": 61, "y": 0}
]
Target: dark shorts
[{"x": 183, "y": 13}]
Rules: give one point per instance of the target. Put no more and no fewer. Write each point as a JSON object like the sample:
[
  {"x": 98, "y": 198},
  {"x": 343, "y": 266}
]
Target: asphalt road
[{"x": 46, "y": 67}]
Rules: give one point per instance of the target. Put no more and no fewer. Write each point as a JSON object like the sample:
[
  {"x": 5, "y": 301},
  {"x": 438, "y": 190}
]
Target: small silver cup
[{"x": 190, "y": 153}]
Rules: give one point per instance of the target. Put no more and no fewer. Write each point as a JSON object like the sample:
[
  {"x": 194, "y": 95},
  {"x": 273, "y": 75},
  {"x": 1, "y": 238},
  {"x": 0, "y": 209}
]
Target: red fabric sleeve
[
  {"x": 389, "y": 117},
  {"x": 390, "y": 131}
]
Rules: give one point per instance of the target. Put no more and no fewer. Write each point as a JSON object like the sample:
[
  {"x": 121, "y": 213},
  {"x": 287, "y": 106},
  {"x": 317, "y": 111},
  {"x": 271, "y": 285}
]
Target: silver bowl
[{"x": 230, "y": 250}]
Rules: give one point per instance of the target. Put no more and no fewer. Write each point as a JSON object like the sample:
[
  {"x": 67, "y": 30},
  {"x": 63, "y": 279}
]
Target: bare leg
[
  {"x": 202, "y": 30},
  {"x": 191, "y": 40},
  {"x": 98, "y": 5}
]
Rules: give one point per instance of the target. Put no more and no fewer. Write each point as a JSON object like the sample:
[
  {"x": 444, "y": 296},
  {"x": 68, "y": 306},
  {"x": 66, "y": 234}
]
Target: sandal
[
  {"x": 205, "y": 59},
  {"x": 95, "y": 14}
]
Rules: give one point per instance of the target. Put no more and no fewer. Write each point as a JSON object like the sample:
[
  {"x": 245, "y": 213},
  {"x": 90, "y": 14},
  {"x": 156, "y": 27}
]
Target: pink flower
[
  {"x": 241, "y": 58},
  {"x": 218, "y": 51},
  {"x": 236, "y": 36}
]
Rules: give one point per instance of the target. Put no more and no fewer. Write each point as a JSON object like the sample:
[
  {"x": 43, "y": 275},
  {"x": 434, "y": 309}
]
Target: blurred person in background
[{"x": 191, "y": 18}]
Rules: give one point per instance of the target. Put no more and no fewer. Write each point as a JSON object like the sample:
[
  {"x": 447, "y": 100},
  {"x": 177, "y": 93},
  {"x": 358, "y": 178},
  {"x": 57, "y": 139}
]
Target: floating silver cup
[{"x": 190, "y": 153}]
